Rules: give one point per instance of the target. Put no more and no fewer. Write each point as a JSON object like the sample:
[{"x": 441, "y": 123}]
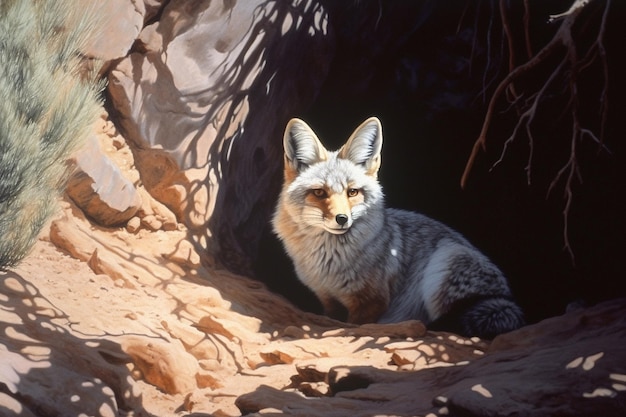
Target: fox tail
[{"x": 485, "y": 317}]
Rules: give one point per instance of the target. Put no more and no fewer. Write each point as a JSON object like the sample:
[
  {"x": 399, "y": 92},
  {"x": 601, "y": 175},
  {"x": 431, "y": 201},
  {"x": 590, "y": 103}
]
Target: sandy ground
[{"x": 135, "y": 317}]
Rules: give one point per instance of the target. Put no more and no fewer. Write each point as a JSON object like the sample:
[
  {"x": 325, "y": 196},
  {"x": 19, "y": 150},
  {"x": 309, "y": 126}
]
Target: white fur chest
[{"x": 339, "y": 264}]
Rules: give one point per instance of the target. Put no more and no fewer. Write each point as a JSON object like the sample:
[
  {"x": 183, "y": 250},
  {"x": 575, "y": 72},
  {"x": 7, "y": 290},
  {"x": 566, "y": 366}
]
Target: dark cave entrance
[{"x": 429, "y": 101}]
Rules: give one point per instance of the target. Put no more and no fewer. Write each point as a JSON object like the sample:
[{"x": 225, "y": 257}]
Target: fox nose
[{"x": 341, "y": 219}]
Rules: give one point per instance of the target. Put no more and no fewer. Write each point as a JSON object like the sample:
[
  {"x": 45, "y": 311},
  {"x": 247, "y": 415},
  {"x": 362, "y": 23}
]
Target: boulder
[{"x": 100, "y": 189}]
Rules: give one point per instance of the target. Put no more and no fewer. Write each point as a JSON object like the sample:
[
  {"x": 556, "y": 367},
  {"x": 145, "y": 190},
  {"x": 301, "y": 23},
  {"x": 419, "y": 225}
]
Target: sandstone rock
[
  {"x": 151, "y": 222},
  {"x": 122, "y": 20},
  {"x": 166, "y": 365},
  {"x": 159, "y": 212},
  {"x": 99, "y": 188},
  {"x": 115, "y": 147},
  {"x": 185, "y": 254},
  {"x": 406, "y": 329},
  {"x": 573, "y": 365},
  {"x": 108, "y": 160},
  {"x": 133, "y": 224},
  {"x": 152, "y": 7},
  {"x": 204, "y": 100}
]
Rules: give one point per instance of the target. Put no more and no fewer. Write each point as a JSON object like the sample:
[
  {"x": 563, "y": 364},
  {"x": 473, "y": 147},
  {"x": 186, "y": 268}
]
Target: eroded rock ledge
[
  {"x": 158, "y": 335},
  {"x": 571, "y": 366}
]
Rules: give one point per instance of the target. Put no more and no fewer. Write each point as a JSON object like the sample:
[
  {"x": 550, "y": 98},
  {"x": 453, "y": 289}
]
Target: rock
[
  {"x": 151, "y": 222},
  {"x": 405, "y": 329},
  {"x": 185, "y": 254},
  {"x": 109, "y": 160},
  {"x": 165, "y": 365},
  {"x": 122, "y": 22},
  {"x": 177, "y": 333},
  {"x": 160, "y": 213},
  {"x": 572, "y": 365},
  {"x": 153, "y": 7},
  {"x": 133, "y": 224},
  {"x": 99, "y": 188},
  {"x": 203, "y": 100}
]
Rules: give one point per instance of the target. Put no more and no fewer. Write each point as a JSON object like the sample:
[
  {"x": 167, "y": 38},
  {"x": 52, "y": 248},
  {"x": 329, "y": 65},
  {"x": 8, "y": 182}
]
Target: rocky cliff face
[
  {"x": 202, "y": 97},
  {"x": 125, "y": 306}
]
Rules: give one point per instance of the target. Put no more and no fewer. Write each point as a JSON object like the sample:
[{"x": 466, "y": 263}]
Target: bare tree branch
[{"x": 569, "y": 68}]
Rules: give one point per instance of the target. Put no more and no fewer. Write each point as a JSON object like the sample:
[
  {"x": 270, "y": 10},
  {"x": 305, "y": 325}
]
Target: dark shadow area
[{"x": 427, "y": 70}]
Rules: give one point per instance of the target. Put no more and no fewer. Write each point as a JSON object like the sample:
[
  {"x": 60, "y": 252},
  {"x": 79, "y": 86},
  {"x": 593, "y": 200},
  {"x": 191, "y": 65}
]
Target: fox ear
[
  {"x": 364, "y": 146},
  {"x": 302, "y": 147}
]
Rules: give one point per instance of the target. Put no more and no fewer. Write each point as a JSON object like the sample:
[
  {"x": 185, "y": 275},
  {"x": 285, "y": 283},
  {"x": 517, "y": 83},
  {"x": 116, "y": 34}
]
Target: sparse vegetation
[{"x": 47, "y": 112}]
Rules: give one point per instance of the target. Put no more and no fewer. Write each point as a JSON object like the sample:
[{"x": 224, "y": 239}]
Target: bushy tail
[
  {"x": 490, "y": 317},
  {"x": 47, "y": 111},
  {"x": 483, "y": 316}
]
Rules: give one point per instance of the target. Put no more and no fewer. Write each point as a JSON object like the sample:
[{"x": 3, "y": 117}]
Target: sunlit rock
[{"x": 204, "y": 99}]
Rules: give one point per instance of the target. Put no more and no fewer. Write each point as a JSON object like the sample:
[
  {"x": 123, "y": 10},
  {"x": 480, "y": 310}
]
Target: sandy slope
[{"x": 153, "y": 330}]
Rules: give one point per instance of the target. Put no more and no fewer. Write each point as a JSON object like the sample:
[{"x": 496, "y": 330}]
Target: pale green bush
[{"x": 47, "y": 110}]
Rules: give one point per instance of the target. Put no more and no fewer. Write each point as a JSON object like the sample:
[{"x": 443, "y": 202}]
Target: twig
[
  {"x": 504, "y": 84},
  {"x": 529, "y": 50},
  {"x": 573, "y": 10},
  {"x": 526, "y": 118},
  {"x": 506, "y": 28}
]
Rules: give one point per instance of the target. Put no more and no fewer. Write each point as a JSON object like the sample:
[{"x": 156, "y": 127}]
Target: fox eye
[
  {"x": 353, "y": 192},
  {"x": 319, "y": 193}
]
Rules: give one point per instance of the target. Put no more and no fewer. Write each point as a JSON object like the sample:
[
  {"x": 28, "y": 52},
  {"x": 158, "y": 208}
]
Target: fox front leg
[
  {"x": 333, "y": 308},
  {"x": 365, "y": 307}
]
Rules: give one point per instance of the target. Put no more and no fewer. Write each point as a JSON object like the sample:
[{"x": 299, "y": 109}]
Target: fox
[{"x": 368, "y": 263}]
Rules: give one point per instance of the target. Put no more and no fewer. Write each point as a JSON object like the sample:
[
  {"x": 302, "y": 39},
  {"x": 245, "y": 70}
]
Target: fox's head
[{"x": 331, "y": 190}]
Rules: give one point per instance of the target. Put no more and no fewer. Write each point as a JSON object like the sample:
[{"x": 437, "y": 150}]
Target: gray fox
[{"x": 380, "y": 264}]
